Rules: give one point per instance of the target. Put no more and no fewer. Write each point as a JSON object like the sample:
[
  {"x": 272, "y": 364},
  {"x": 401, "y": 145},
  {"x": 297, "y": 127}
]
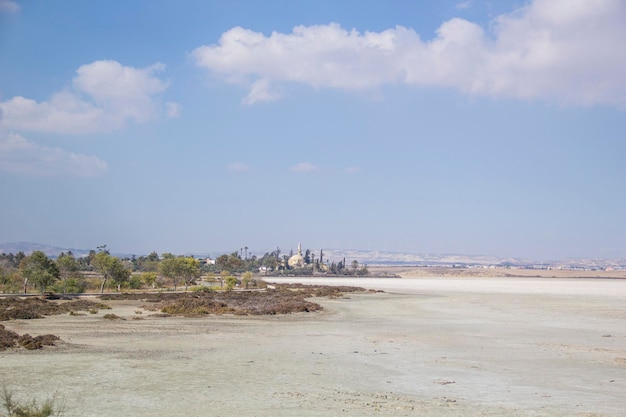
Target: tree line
[{"x": 100, "y": 270}]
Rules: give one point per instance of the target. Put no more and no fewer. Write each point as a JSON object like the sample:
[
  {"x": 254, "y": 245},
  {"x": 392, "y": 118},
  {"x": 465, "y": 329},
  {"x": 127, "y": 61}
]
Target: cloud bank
[
  {"x": 19, "y": 156},
  {"x": 568, "y": 52},
  {"x": 104, "y": 96}
]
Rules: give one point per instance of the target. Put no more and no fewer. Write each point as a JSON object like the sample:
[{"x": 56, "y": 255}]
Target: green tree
[
  {"x": 246, "y": 278},
  {"x": 40, "y": 270},
  {"x": 168, "y": 268},
  {"x": 182, "y": 268},
  {"x": 4, "y": 277},
  {"x": 149, "y": 278},
  {"x": 68, "y": 267},
  {"x": 231, "y": 282},
  {"x": 190, "y": 270},
  {"x": 232, "y": 262},
  {"x": 111, "y": 268}
]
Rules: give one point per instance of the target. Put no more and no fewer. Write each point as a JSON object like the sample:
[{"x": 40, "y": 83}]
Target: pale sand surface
[{"x": 427, "y": 347}]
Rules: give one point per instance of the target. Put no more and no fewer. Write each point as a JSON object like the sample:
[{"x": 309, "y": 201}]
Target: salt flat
[{"x": 425, "y": 347}]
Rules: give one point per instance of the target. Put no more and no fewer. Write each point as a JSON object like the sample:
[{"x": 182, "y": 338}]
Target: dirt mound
[{"x": 35, "y": 308}]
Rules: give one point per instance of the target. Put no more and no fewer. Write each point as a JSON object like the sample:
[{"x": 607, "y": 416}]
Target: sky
[{"x": 476, "y": 127}]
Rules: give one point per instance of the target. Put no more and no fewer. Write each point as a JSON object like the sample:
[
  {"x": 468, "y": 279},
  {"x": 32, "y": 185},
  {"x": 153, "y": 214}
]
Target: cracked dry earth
[{"x": 444, "y": 348}]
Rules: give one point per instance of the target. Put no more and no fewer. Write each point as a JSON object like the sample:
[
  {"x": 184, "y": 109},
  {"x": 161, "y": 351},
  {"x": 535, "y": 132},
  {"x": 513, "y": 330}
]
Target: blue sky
[{"x": 473, "y": 127}]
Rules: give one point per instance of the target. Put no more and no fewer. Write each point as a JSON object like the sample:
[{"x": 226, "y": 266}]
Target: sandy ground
[{"x": 427, "y": 347}]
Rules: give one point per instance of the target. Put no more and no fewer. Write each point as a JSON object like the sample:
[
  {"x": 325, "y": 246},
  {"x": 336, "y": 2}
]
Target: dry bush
[
  {"x": 282, "y": 300},
  {"x": 35, "y": 308},
  {"x": 37, "y": 342},
  {"x": 10, "y": 339},
  {"x": 7, "y": 338}
]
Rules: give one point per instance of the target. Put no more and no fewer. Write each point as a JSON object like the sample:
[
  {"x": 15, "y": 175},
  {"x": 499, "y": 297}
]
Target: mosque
[{"x": 297, "y": 260}]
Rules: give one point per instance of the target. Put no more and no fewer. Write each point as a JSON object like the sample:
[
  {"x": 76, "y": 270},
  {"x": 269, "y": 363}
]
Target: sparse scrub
[
  {"x": 13, "y": 408},
  {"x": 202, "y": 288},
  {"x": 283, "y": 300},
  {"x": 10, "y": 339},
  {"x": 37, "y": 342},
  {"x": 7, "y": 338},
  {"x": 34, "y": 308}
]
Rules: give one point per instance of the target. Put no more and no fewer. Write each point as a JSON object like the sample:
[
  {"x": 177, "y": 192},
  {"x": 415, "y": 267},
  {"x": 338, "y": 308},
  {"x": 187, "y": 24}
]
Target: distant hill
[
  {"x": 406, "y": 259},
  {"x": 401, "y": 258},
  {"x": 30, "y": 247}
]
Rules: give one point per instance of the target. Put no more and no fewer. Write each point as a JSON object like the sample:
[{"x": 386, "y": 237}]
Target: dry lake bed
[{"x": 425, "y": 347}]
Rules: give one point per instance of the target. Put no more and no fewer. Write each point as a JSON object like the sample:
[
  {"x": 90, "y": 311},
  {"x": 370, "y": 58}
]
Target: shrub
[
  {"x": 32, "y": 343},
  {"x": 231, "y": 282},
  {"x": 72, "y": 285},
  {"x": 202, "y": 288},
  {"x": 135, "y": 282},
  {"x": 31, "y": 409}
]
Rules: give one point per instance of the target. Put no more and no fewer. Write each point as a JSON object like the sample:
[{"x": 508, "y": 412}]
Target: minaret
[{"x": 299, "y": 249}]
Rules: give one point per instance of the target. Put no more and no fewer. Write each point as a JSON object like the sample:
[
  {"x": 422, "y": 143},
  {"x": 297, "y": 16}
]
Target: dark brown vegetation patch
[
  {"x": 284, "y": 299},
  {"x": 320, "y": 290},
  {"x": 7, "y": 338},
  {"x": 110, "y": 316},
  {"x": 10, "y": 339},
  {"x": 35, "y": 308},
  {"x": 37, "y": 342}
]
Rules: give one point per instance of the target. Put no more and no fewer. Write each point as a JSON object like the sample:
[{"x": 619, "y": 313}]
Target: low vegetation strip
[
  {"x": 35, "y": 308},
  {"x": 284, "y": 299}
]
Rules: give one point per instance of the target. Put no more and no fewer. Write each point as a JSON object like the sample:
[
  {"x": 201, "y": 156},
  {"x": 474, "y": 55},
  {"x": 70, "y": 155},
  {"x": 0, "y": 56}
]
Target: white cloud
[
  {"x": 238, "y": 167},
  {"x": 304, "y": 167},
  {"x": 261, "y": 90},
  {"x": 9, "y": 6},
  {"x": 173, "y": 109},
  {"x": 104, "y": 96},
  {"x": 352, "y": 169},
  {"x": 464, "y": 5},
  {"x": 19, "y": 156},
  {"x": 563, "y": 51}
]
